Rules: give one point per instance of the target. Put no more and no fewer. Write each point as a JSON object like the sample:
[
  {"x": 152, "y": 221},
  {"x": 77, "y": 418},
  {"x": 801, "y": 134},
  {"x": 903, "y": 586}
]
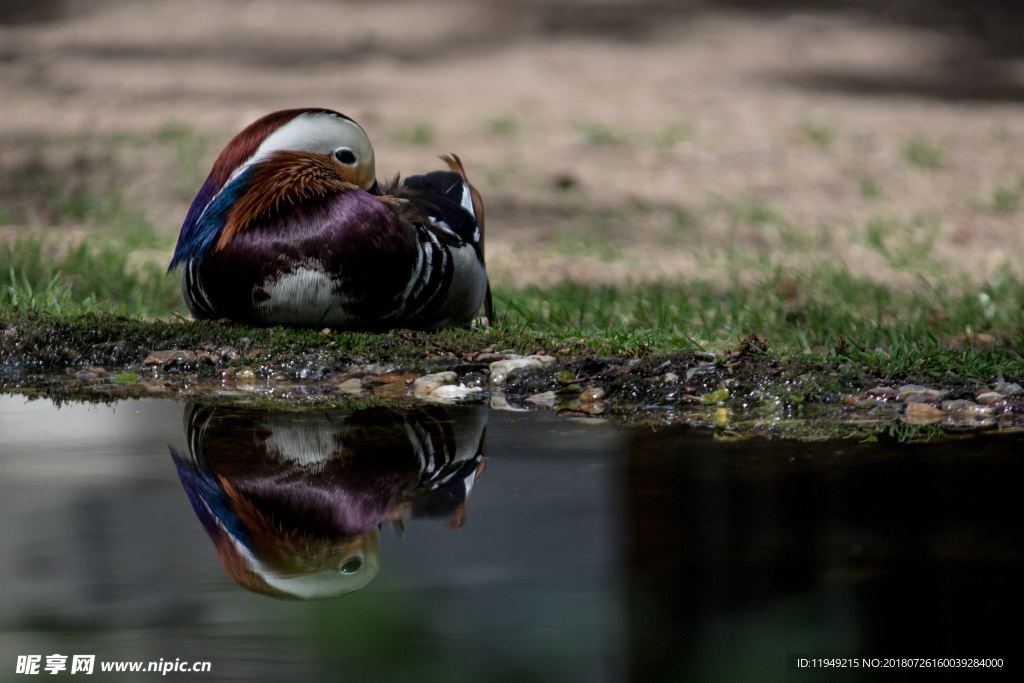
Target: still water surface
[{"x": 460, "y": 543}]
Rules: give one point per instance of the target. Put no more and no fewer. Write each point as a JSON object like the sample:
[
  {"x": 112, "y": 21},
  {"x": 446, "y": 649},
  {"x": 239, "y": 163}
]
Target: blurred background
[{"x": 615, "y": 141}]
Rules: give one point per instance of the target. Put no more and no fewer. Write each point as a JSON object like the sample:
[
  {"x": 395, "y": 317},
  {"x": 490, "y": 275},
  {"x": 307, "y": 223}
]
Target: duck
[
  {"x": 292, "y": 227},
  {"x": 294, "y": 503}
]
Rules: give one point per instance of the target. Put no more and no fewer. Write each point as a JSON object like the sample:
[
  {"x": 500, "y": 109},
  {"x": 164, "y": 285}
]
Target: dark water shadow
[{"x": 743, "y": 554}]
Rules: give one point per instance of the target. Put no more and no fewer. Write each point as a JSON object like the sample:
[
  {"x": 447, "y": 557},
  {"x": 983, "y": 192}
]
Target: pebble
[
  {"x": 910, "y": 392},
  {"x": 884, "y": 393},
  {"x": 702, "y": 369},
  {"x": 990, "y": 398},
  {"x": 169, "y": 357},
  {"x": 450, "y": 393},
  {"x": 592, "y": 393},
  {"x": 353, "y": 385},
  {"x": 545, "y": 398},
  {"x": 501, "y": 369},
  {"x": 922, "y": 413},
  {"x": 424, "y": 386},
  {"x": 208, "y": 357},
  {"x": 94, "y": 372},
  {"x": 1007, "y": 388},
  {"x": 670, "y": 377},
  {"x": 963, "y": 408},
  {"x": 396, "y": 389},
  {"x": 499, "y": 402}
]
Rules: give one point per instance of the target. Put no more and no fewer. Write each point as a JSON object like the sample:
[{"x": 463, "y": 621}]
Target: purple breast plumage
[{"x": 293, "y": 228}]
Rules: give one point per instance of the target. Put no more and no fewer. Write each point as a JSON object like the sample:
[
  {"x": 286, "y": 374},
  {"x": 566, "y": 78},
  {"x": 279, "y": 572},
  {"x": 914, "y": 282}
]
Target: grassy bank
[{"x": 117, "y": 290}]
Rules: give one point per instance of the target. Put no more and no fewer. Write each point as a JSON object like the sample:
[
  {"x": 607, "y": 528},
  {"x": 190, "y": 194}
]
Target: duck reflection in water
[{"x": 294, "y": 501}]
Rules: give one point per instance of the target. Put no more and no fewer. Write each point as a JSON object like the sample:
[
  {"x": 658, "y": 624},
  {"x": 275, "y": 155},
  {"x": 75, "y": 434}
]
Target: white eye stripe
[{"x": 312, "y": 132}]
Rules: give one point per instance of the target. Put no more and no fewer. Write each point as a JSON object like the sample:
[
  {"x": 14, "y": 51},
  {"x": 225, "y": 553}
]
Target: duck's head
[
  {"x": 335, "y": 137},
  {"x": 289, "y": 147}
]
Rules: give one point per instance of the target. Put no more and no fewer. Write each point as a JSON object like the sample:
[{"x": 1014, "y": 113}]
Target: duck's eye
[
  {"x": 345, "y": 156},
  {"x": 352, "y": 566}
]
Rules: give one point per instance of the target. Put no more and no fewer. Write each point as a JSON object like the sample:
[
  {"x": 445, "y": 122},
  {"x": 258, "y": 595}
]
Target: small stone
[
  {"x": 228, "y": 354},
  {"x": 1007, "y": 388},
  {"x": 326, "y": 332},
  {"x": 424, "y": 386},
  {"x": 499, "y": 402},
  {"x": 990, "y": 398},
  {"x": 967, "y": 423},
  {"x": 389, "y": 378},
  {"x": 486, "y": 357},
  {"x": 500, "y": 370},
  {"x": 450, "y": 393},
  {"x": 963, "y": 408},
  {"x": 353, "y": 385},
  {"x": 591, "y": 394},
  {"x": 698, "y": 370},
  {"x": 545, "y": 398},
  {"x": 168, "y": 358},
  {"x": 207, "y": 357},
  {"x": 391, "y": 390},
  {"x": 155, "y": 387},
  {"x": 922, "y": 413},
  {"x": 884, "y": 393},
  {"x": 917, "y": 392},
  {"x": 670, "y": 377},
  {"x": 94, "y": 372},
  {"x": 245, "y": 374}
]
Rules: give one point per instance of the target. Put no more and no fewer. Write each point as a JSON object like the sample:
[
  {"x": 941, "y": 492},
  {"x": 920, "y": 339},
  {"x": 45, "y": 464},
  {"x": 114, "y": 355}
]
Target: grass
[
  {"x": 925, "y": 153},
  {"x": 37, "y": 274},
  {"x": 819, "y": 134},
  {"x": 187, "y": 149},
  {"x": 906, "y": 245},
  {"x": 871, "y": 189},
  {"x": 801, "y": 317},
  {"x": 504, "y": 126},
  {"x": 416, "y": 134},
  {"x": 70, "y": 292},
  {"x": 595, "y": 134}
]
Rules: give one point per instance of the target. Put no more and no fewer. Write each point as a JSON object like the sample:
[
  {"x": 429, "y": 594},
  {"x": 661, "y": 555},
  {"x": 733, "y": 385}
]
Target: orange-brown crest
[{"x": 287, "y": 178}]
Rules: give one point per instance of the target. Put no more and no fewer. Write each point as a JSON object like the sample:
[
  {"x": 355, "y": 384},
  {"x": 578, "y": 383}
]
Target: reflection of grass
[{"x": 925, "y": 153}]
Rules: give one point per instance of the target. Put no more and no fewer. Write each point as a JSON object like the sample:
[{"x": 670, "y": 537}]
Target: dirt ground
[{"x": 613, "y": 141}]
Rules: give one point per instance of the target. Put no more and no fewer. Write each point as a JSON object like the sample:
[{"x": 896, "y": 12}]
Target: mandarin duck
[
  {"x": 294, "y": 502},
  {"x": 292, "y": 228}
]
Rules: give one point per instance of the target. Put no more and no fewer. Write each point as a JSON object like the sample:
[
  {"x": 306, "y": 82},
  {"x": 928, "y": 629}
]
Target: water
[{"x": 470, "y": 544}]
